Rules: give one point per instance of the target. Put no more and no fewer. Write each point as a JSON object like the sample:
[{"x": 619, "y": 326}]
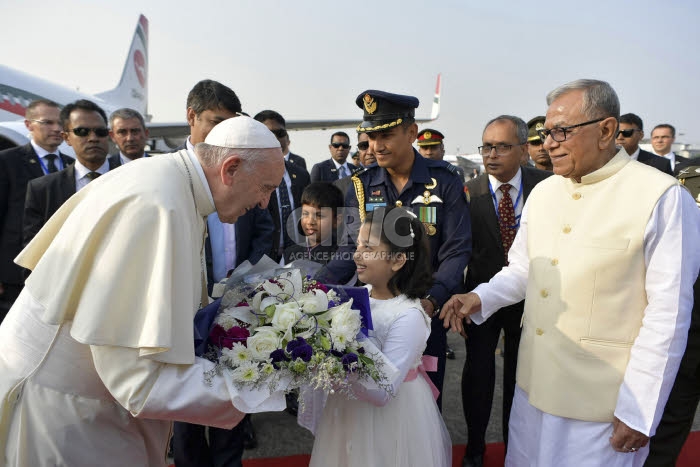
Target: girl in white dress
[{"x": 378, "y": 428}]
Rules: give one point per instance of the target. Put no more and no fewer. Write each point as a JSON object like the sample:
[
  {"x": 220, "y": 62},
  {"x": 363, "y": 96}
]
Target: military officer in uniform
[
  {"x": 429, "y": 188},
  {"x": 535, "y": 146},
  {"x": 430, "y": 145}
]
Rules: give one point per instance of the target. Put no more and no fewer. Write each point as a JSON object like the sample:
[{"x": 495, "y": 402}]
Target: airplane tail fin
[
  {"x": 435, "y": 112},
  {"x": 132, "y": 90}
]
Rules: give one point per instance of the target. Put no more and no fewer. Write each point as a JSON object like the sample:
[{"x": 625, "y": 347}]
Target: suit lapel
[
  {"x": 483, "y": 203},
  {"x": 67, "y": 185},
  {"x": 31, "y": 161}
]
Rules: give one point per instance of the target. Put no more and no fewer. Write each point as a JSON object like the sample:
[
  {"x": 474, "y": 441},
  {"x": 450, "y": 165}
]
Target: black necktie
[
  {"x": 51, "y": 166},
  {"x": 92, "y": 175},
  {"x": 286, "y": 210}
]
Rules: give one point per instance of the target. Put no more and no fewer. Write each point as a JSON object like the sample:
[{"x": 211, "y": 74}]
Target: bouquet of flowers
[{"x": 283, "y": 330}]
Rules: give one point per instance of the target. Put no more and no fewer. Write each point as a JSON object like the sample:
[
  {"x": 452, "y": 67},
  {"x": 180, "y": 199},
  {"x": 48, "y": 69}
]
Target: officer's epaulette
[
  {"x": 441, "y": 164},
  {"x": 359, "y": 172}
]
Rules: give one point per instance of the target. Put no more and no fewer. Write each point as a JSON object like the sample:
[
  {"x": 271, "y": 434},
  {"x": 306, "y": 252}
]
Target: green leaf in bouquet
[{"x": 325, "y": 342}]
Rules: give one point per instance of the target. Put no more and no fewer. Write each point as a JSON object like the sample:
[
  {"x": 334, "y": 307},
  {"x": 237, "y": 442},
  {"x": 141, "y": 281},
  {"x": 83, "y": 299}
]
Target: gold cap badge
[{"x": 370, "y": 104}]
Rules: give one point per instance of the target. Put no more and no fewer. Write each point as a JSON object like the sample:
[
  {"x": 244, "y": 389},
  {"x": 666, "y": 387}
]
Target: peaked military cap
[
  {"x": 384, "y": 110},
  {"x": 429, "y": 137},
  {"x": 533, "y": 125}
]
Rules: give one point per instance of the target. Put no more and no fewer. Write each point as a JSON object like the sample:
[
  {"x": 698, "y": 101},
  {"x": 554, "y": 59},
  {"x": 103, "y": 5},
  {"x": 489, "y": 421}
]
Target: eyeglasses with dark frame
[
  {"x": 82, "y": 132},
  {"x": 340, "y": 145},
  {"x": 363, "y": 145},
  {"x": 627, "y": 133},
  {"x": 558, "y": 134},
  {"x": 501, "y": 149}
]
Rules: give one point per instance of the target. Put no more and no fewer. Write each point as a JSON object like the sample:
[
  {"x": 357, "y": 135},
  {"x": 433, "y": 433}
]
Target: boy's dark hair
[
  {"x": 212, "y": 95},
  {"x": 323, "y": 195},
  {"x": 416, "y": 276}
]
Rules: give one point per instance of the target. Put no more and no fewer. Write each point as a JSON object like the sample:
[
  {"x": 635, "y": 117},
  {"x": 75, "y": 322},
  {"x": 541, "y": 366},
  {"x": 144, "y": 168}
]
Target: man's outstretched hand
[{"x": 458, "y": 308}]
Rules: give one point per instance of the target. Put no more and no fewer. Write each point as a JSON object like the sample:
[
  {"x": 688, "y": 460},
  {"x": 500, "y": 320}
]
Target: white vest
[{"x": 586, "y": 295}]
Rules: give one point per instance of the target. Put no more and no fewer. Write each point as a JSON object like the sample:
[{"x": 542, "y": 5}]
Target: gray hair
[
  {"x": 126, "y": 114},
  {"x": 520, "y": 126},
  {"x": 599, "y": 98},
  {"x": 211, "y": 156}
]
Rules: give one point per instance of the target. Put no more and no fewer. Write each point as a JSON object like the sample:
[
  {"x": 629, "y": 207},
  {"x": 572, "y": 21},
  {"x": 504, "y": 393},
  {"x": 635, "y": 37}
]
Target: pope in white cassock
[
  {"x": 97, "y": 354},
  {"x": 605, "y": 258}
]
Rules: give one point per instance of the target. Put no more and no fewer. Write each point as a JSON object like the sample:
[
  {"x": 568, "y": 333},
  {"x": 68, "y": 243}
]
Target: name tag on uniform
[
  {"x": 375, "y": 201},
  {"x": 372, "y": 206}
]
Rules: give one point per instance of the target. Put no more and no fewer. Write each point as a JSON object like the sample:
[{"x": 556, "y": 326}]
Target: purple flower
[
  {"x": 331, "y": 304},
  {"x": 277, "y": 357},
  {"x": 294, "y": 343},
  {"x": 337, "y": 353},
  {"x": 348, "y": 360},
  {"x": 303, "y": 351},
  {"x": 361, "y": 350}
]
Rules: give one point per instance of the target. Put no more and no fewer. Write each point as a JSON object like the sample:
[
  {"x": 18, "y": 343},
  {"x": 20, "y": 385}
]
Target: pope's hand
[{"x": 458, "y": 308}]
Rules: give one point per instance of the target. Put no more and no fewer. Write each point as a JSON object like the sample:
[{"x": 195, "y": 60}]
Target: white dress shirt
[
  {"x": 81, "y": 172},
  {"x": 42, "y": 153}
]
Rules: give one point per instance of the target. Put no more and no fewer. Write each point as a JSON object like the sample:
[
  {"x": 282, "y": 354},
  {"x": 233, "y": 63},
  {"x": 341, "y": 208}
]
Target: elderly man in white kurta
[
  {"x": 97, "y": 354},
  {"x": 606, "y": 257}
]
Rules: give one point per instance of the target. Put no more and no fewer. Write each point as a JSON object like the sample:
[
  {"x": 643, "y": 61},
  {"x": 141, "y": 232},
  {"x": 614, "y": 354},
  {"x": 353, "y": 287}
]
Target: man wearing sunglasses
[
  {"x": 605, "y": 258},
  {"x": 337, "y": 166},
  {"x": 85, "y": 130},
  {"x": 17, "y": 167},
  {"x": 629, "y": 135},
  {"x": 366, "y": 156}
]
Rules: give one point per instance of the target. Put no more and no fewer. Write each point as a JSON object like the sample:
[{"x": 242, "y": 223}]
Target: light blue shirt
[{"x": 222, "y": 238}]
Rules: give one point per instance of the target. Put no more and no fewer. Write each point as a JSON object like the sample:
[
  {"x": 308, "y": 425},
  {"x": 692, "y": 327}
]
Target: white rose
[
  {"x": 346, "y": 318},
  {"x": 313, "y": 302},
  {"x": 263, "y": 342},
  {"x": 286, "y": 314}
]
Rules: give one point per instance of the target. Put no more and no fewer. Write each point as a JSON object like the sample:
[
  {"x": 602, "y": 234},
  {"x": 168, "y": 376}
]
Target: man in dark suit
[
  {"x": 496, "y": 202},
  {"x": 629, "y": 134},
  {"x": 129, "y": 133},
  {"x": 662, "y": 139},
  {"x": 286, "y": 201},
  {"x": 337, "y": 166},
  {"x": 17, "y": 166},
  {"x": 677, "y": 420},
  {"x": 85, "y": 130},
  {"x": 208, "y": 104}
]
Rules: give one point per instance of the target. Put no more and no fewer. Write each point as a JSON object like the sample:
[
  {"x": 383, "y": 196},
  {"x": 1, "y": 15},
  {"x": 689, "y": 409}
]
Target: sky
[{"x": 310, "y": 59}]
